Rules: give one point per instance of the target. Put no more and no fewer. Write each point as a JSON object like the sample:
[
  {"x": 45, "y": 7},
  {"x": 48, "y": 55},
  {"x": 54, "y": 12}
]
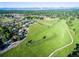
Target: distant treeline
[
  {"x": 36, "y": 11},
  {"x": 57, "y": 13}
]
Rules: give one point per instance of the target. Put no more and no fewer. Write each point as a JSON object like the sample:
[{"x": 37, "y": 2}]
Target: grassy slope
[
  {"x": 64, "y": 52},
  {"x": 56, "y": 37},
  {"x": 75, "y": 25}
]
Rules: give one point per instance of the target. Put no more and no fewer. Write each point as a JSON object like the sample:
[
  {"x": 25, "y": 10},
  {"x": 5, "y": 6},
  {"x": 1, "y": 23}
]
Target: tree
[
  {"x": 44, "y": 37},
  {"x": 1, "y": 43}
]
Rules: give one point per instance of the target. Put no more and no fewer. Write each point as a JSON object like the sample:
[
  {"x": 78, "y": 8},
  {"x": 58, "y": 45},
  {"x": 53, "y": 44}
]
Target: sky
[{"x": 37, "y": 4}]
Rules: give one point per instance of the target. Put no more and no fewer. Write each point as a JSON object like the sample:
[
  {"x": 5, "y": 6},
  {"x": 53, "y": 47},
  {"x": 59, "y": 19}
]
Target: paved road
[
  {"x": 13, "y": 45},
  {"x": 63, "y": 46}
]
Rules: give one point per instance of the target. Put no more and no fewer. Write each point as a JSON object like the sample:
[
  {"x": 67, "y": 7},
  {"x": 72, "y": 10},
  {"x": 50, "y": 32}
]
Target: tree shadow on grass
[{"x": 40, "y": 41}]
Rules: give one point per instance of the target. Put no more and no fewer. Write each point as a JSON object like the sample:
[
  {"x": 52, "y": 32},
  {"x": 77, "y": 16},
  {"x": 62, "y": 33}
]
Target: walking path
[{"x": 63, "y": 46}]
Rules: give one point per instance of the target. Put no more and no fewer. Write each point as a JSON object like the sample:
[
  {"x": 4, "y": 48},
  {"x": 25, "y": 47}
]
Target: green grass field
[{"x": 56, "y": 37}]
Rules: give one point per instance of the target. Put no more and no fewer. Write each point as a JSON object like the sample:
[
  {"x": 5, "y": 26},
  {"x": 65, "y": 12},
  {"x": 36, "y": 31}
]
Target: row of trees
[{"x": 51, "y": 13}]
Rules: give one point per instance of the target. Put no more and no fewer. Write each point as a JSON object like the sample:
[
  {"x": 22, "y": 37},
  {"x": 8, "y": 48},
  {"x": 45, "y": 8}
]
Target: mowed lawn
[{"x": 56, "y": 37}]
